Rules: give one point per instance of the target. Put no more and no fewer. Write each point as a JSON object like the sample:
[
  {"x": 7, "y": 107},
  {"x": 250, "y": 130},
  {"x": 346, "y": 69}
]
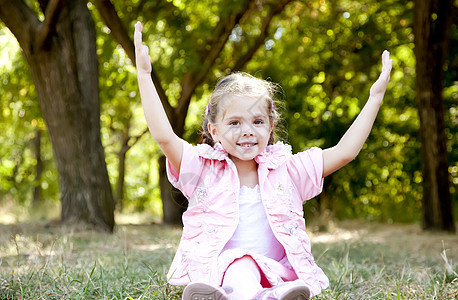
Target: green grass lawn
[{"x": 362, "y": 261}]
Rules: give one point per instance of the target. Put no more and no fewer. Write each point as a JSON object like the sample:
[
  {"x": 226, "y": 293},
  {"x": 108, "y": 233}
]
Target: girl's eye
[
  {"x": 258, "y": 122},
  {"x": 234, "y": 123}
]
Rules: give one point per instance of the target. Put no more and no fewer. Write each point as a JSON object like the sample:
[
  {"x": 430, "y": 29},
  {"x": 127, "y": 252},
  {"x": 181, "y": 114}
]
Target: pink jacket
[{"x": 208, "y": 178}]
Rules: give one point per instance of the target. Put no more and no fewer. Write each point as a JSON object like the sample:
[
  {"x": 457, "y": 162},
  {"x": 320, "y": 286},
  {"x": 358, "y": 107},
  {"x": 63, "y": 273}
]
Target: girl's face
[{"x": 242, "y": 127}]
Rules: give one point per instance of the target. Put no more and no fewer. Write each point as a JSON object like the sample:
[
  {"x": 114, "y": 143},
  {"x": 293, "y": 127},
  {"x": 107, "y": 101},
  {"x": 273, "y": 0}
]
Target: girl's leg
[{"x": 243, "y": 278}]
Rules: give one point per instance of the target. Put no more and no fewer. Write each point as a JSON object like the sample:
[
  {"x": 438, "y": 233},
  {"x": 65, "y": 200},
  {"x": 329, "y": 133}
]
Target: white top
[{"x": 253, "y": 231}]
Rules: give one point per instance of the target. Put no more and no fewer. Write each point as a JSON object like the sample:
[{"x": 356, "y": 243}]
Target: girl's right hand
[
  {"x": 379, "y": 87},
  {"x": 142, "y": 60}
]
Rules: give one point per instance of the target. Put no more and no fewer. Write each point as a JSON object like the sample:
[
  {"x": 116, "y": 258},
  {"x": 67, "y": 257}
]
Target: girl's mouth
[{"x": 246, "y": 145}]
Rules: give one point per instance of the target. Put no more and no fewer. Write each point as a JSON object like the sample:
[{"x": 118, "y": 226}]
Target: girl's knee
[
  {"x": 244, "y": 277},
  {"x": 245, "y": 262}
]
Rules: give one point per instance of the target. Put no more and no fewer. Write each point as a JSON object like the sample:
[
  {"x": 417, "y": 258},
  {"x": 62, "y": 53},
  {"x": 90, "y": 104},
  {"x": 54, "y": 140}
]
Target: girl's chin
[
  {"x": 243, "y": 156},
  {"x": 243, "y": 151}
]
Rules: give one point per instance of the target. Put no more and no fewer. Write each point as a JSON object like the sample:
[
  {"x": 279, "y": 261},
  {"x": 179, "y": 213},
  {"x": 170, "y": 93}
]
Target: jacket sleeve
[
  {"x": 306, "y": 172},
  {"x": 190, "y": 171}
]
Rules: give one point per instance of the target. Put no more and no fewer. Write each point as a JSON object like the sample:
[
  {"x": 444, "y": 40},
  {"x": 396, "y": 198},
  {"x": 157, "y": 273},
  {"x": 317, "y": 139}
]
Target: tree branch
[
  {"x": 20, "y": 20},
  {"x": 223, "y": 31},
  {"x": 48, "y": 26},
  {"x": 134, "y": 139},
  {"x": 244, "y": 59},
  {"x": 140, "y": 6},
  {"x": 119, "y": 33}
]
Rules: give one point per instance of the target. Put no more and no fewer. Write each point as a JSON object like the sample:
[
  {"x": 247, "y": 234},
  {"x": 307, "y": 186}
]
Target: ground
[{"x": 362, "y": 260}]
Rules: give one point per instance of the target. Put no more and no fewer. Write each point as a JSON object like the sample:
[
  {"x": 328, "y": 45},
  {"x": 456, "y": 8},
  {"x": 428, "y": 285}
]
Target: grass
[
  {"x": 388, "y": 262},
  {"x": 362, "y": 261}
]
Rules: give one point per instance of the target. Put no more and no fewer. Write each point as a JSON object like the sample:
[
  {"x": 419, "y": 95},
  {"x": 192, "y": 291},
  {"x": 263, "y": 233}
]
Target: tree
[
  {"x": 432, "y": 28},
  {"x": 61, "y": 53},
  {"x": 324, "y": 54}
]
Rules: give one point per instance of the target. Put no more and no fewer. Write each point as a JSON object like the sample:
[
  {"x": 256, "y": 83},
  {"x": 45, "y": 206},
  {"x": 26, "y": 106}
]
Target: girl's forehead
[{"x": 244, "y": 106}]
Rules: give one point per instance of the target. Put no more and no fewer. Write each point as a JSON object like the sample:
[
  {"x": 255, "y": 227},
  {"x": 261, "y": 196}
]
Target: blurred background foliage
[{"x": 324, "y": 54}]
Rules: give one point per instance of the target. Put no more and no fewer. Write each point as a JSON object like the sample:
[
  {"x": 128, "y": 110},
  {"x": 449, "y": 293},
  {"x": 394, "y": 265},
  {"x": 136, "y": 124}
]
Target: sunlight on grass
[
  {"x": 12, "y": 213},
  {"x": 362, "y": 261},
  {"x": 137, "y": 218}
]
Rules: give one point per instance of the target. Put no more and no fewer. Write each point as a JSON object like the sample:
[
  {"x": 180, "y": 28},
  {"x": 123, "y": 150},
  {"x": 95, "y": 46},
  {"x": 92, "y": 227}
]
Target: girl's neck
[{"x": 247, "y": 171}]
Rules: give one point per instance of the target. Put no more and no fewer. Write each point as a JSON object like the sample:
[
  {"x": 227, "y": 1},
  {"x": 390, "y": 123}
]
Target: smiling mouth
[{"x": 246, "y": 145}]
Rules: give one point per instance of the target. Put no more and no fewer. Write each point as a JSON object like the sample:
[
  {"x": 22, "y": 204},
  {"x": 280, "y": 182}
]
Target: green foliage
[
  {"x": 451, "y": 110},
  {"x": 324, "y": 54},
  {"x": 19, "y": 123}
]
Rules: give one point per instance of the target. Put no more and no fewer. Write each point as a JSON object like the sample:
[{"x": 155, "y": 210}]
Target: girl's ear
[{"x": 212, "y": 129}]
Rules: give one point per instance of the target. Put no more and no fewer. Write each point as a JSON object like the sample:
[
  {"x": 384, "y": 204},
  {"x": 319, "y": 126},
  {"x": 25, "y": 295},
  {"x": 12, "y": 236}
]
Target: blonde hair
[{"x": 240, "y": 84}]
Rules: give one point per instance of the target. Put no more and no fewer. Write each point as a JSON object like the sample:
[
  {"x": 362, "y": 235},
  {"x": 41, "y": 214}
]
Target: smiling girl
[{"x": 244, "y": 232}]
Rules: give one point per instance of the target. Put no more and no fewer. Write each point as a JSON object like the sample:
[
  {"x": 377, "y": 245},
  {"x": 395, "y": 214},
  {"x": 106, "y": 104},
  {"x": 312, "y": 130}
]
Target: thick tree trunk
[
  {"x": 61, "y": 52},
  {"x": 173, "y": 201},
  {"x": 432, "y": 25}
]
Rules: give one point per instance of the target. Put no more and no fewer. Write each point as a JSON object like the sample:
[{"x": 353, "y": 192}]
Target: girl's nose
[{"x": 247, "y": 130}]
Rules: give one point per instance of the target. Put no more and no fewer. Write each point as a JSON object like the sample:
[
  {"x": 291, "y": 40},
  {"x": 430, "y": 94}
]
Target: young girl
[{"x": 244, "y": 232}]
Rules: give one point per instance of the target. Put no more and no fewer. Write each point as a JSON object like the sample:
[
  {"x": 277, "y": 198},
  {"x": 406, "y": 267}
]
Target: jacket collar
[{"x": 272, "y": 157}]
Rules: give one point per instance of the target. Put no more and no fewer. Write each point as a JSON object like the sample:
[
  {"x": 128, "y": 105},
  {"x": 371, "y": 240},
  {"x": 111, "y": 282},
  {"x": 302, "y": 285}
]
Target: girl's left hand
[
  {"x": 142, "y": 60},
  {"x": 379, "y": 87}
]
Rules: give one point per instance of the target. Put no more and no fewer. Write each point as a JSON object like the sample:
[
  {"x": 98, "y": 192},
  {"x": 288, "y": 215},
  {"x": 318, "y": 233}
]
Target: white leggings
[{"x": 243, "y": 277}]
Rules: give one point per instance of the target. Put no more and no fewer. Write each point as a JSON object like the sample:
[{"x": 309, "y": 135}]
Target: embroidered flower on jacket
[{"x": 201, "y": 194}]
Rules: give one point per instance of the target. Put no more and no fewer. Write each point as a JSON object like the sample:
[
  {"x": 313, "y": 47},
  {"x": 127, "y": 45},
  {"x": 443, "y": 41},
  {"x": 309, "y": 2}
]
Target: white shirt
[{"x": 253, "y": 231}]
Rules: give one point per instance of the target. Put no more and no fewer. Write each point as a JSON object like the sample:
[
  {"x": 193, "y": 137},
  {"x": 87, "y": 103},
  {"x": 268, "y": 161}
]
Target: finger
[
  {"x": 390, "y": 64},
  {"x": 138, "y": 35},
  {"x": 385, "y": 57},
  {"x": 387, "y": 63},
  {"x": 145, "y": 50}
]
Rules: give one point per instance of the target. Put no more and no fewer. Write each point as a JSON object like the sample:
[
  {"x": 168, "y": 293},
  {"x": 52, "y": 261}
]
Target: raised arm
[
  {"x": 353, "y": 140},
  {"x": 156, "y": 118}
]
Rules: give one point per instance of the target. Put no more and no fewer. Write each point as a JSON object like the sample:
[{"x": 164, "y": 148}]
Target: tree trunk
[
  {"x": 122, "y": 171},
  {"x": 432, "y": 28},
  {"x": 38, "y": 168},
  {"x": 174, "y": 204},
  {"x": 61, "y": 52}
]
